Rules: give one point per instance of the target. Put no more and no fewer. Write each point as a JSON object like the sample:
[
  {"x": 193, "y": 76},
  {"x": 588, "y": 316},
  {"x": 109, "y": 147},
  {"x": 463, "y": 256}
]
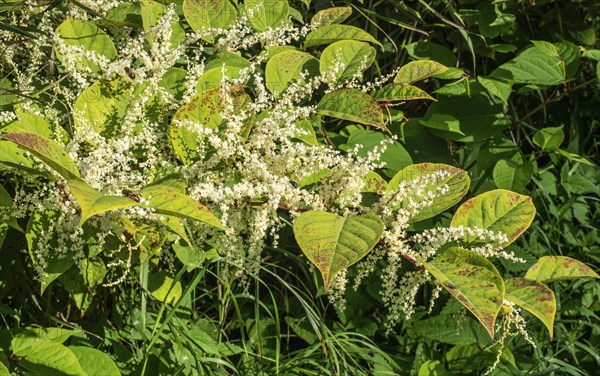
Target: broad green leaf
[
  {"x": 164, "y": 288},
  {"x": 534, "y": 297},
  {"x": 592, "y": 54},
  {"x": 48, "y": 151},
  {"x": 333, "y": 243},
  {"x": 152, "y": 12},
  {"x": 7, "y": 97},
  {"x": 511, "y": 175},
  {"x": 498, "y": 210},
  {"x": 472, "y": 280},
  {"x": 94, "y": 362},
  {"x": 431, "y": 51},
  {"x": 6, "y": 207},
  {"x": 265, "y": 14},
  {"x": 45, "y": 358},
  {"x": 228, "y": 59},
  {"x": 352, "y": 105},
  {"x": 192, "y": 257},
  {"x": 102, "y": 106},
  {"x": 203, "y": 15},
  {"x": 25, "y": 338},
  {"x": 395, "y": 155},
  {"x": 400, "y": 92},
  {"x": 452, "y": 329},
  {"x": 555, "y": 268},
  {"x": 93, "y": 202},
  {"x": 3, "y": 370},
  {"x": 213, "y": 78},
  {"x": 306, "y": 127},
  {"x": 84, "y": 34},
  {"x": 532, "y": 66},
  {"x": 54, "y": 264},
  {"x": 287, "y": 67},
  {"x": 493, "y": 22},
  {"x": 418, "y": 70},
  {"x": 456, "y": 179},
  {"x": 332, "y": 33},
  {"x": 81, "y": 282},
  {"x": 355, "y": 56},
  {"x": 174, "y": 203},
  {"x": 467, "y": 117},
  {"x": 330, "y": 16},
  {"x": 549, "y": 138},
  {"x": 497, "y": 88}
]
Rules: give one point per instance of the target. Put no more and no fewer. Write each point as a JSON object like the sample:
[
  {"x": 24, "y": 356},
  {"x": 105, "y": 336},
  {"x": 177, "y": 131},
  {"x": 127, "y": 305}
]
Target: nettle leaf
[
  {"x": 94, "y": 362},
  {"x": 330, "y": 16},
  {"x": 509, "y": 174},
  {"x": 418, "y": 70},
  {"x": 400, "y": 92},
  {"x": 50, "y": 358},
  {"x": 89, "y": 37},
  {"x": 534, "y": 297},
  {"x": 93, "y": 202},
  {"x": 47, "y": 150},
  {"x": 549, "y": 138},
  {"x": 532, "y": 66},
  {"x": 287, "y": 67},
  {"x": 103, "y": 106},
  {"x": 202, "y": 15},
  {"x": 355, "y": 56},
  {"x": 333, "y": 243},
  {"x": 555, "y": 268},
  {"x": 353, "y": 105},
  {"x": 164, "y": 288},
  {"x": 457, "y": 180},
  {"x": 172, "y": 202},
  {"x": 472, "y": 280},
  {"x": 264, "y": 14},
  {"x": 333, "y": 33},
  {"x": 498, "y": 210}
]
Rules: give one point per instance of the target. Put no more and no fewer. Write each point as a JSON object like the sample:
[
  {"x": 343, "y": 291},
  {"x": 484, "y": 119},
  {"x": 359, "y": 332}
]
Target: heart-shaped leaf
[
  {"x": 552, "y": 268},
  {"x": 330, "y": 16},
  {"x": 287, "y": 67},
  {"x": 352, "y": 105},
  {"x": 498, "y": 210},
  {"x": 333, "y": 243},
  {"x": 472, "y": 280},
  {"x": 355, "y": 56},
  {"x": 535, "y": 297}
]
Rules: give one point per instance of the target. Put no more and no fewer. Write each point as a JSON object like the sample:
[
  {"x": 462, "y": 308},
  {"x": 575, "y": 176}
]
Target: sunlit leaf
[
  {"x": 553, "y": 268},
  {"x": 418, "y": 70},
  {"x": 93, "y": 202},
  {"x": 352, "y": 105},
  {"x": 332, "y": 33},
  {"x": 354, "y": 56},
  {"x": 534, "y": 297},
  {"x": 287, "y": 67}
]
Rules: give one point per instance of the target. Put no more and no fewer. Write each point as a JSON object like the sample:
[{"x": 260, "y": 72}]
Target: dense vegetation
[{"x": 299, "y": 188}]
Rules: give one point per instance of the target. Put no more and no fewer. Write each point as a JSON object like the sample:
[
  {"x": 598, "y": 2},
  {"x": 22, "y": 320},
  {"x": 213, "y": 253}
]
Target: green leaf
[
  {"x": 164, "y": 288},
  {"x": 103, "y": 106},
  {"x": 498, "y": 210},
  {"x": 25, "y": 338},
  {"x": 549, "y": 138},
  {"x": 93, "y": 202},
  {"x": 47, "y": 150},
  {"x": 418, "y": 70},
  {"x": 332, "y": 33},
  {"x": 333, "y": 243},
  {"x": 152, "y": 12},
  {"x": 532, "y": 66},
  {"x": 400, "y": 92},
  {"x": 433, "y": 368},
  {"x": 472, "y": 280},
  {"x": 265, "y": 14},
  {"x": 3, "y": 370},
  {"x": 171, "y": 202},
  {"x": 352, "y": 105},
  {"x": 74, "y": 32},
  {"x": 456, "y": 179},
  {"x": 355, "y": 56},
  {"x": 431, "y": 51},
  {"x": 45, "y": 358},
  {"x": 202, "y": 15},
  {"x": 81, "y": 282},
  {"x": 287, "y": 67},
  {"x": 555, "y": 268},
  {"x": 395, "y": 155},
  {"x": 497, "y": 88},
  {"x": 452, "y": 329},
  {"x": 511, "y": 175},
  {"x": 534, "y": 297},
  {"x": 330, "y": 16},
  {"x": 7, "y": 207},
  {"x": 95, "y": 362}
]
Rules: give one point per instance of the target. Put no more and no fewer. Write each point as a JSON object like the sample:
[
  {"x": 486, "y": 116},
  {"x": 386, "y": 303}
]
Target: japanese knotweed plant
[{"x": 198, "y": 131}]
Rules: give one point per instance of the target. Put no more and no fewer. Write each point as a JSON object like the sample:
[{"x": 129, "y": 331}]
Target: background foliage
[{"x": 519, "y": 111}]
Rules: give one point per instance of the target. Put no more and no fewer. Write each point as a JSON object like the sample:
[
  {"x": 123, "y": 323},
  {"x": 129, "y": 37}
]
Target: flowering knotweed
[{"x": 160, "y": 136}]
